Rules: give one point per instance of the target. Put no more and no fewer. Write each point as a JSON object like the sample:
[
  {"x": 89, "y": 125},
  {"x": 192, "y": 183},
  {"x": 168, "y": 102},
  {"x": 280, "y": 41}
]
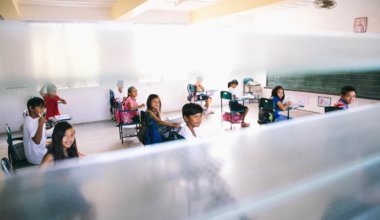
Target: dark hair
[
  {"x": 191, "y": 109},
  {"x": 274, "y": 92},
  {"x": 35, "y": 102},
  {"x": 234, "y": 81},
  {"x": 347, "y": 89},
  {"x": 149, "y": 101},
  {"x": 130, "y": 89},
  {"x": 56, "y": 147}
]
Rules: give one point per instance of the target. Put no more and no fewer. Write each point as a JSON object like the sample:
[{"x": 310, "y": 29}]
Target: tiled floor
[{"x": 98, "y": 137}]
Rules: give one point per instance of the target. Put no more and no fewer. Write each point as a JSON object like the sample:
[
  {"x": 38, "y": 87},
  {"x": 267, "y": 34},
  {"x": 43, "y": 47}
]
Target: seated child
[
  {"x": 278, "y": 97},
  {"x": 348, "y": 96},
  {"x": 63, "y": 145},
  {"x": 199, "y": 88},
  {"x": 131, "y": 105},
  {"x": 235, "y": 105},
  {"x": 192, "y": 114},
  {"x": 51, "y": 100},
  {"x": 34, "y": 131},
  {"x": 119, "y": 93},
  {"x": 120, "y": 98},
  {"x": 154, "y": 110}
]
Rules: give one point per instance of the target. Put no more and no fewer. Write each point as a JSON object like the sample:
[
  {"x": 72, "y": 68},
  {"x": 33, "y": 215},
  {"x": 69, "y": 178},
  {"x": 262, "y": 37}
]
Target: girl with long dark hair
[{"x": 63, "y": 145}]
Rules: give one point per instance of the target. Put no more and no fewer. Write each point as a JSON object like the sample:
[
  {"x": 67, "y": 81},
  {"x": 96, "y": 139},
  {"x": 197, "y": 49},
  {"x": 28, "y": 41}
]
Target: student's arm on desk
[
  {"x": 47, "y": 161},
  {"x": 159, "y": 121},
  {"x": 136, "y": 107},
  {"x": 282, "y": 106},
  {"x": 81, "y": 155}
]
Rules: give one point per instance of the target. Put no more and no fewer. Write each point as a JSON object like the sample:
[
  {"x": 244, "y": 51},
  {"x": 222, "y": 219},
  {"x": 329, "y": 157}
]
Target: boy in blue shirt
[{"x": 348, "y": 96}]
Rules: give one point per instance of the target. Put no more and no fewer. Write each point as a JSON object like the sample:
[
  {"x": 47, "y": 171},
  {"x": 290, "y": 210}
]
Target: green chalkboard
[{"x": 367, "y": 84}]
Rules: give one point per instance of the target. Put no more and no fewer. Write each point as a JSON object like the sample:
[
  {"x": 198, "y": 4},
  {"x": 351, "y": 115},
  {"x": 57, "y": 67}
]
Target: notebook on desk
[
  {"x": 248, "y": 96},
  {"x": 175, "y": 119},
  {"x": 210, "y": 92},
  {"x": 60, "y": 118}
]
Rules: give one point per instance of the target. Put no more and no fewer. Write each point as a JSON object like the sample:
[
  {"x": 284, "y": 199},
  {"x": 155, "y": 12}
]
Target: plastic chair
[
  {"x": 123, "y": 125},
  {"x": 224, "y": 95},
  {"x": 266, "y": 111},
  {"x": 112, "y": 104},
  {"x": 16, "y": 153},
  {"x": 192, "y": 94},
  {"x": 6, "y": 166}
]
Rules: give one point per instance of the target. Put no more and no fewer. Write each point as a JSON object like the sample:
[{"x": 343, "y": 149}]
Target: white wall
[{"x": 309, "y": 18}]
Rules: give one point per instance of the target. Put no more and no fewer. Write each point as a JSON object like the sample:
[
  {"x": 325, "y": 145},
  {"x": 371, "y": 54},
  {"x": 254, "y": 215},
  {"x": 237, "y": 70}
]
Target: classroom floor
[{"x": 97, "y": 137}]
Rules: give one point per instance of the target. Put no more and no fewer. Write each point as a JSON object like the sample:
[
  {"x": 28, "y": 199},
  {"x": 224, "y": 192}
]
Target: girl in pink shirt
[{"x": 132, "y": 106}]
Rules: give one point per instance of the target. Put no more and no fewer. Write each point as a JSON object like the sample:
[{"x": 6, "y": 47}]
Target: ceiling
[
  {"x": 144, "y": 11},
  {"x": 135, "y": 11}
]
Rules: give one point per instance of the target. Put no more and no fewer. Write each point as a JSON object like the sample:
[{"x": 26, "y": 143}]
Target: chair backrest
[
  {"x": 112, "y": 98},
  {"x": 15, "y": 150},
  {"x": 9, "y": 134},
  {"x": 247, "y": 80},
  {"x": 266, "y": 104},
  {"x": 191, "y": 92},
  {"x": 191, "y": 88},
  {"x": 266, "y": 111},
  {"x": 332, "y": 109},
  {"x": 6, "y": 166},
  {"x": 225, "y": 95}
]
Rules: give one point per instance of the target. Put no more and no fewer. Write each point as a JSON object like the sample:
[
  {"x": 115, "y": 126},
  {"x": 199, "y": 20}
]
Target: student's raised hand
[
  {"x": 142, "y": 106},
  {"x": 63, "y": 101},
  {"x": 41, "y": 120}
]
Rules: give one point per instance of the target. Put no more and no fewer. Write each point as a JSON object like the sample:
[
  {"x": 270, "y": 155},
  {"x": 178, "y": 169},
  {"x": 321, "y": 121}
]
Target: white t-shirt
[
  {"x": 119, "y": 96},
  {"x": 187, "y": 134},
  {"x": 232, "y": 91},
  {"x": 33, "y": 152}
]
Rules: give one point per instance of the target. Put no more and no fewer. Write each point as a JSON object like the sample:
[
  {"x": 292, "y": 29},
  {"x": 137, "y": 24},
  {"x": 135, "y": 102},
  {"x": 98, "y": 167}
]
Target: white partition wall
[
  {"x": 320, "y": 167},
  {"x": 86, "y": 59}
]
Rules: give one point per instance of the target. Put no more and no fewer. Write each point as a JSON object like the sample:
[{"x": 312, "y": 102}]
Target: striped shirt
[{"x": 341, "y": 103}]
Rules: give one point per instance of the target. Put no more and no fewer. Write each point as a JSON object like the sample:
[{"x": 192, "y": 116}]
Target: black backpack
[{"x": 266, "y": 111}]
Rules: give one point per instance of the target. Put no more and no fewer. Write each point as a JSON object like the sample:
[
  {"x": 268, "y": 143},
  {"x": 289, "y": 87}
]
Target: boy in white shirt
[
  {"x": 192, "y": 114},
  {"x": 34, "y": 135},
  {"x": 120, "y": 95}
]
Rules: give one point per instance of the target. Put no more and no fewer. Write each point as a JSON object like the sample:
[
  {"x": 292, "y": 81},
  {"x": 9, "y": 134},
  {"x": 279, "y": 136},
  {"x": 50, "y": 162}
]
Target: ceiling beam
[
  {"x": 227, "y": 7},
  {"x": 9, "y": 9},
  {"x": 126, "y": 8}
]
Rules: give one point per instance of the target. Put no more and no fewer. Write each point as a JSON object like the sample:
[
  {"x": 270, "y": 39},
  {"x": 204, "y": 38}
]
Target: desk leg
[{"x": 288, "y": 113}]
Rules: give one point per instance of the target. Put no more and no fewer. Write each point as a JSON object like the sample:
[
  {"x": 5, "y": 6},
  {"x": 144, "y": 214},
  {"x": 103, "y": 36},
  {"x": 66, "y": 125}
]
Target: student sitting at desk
[
  {"x": 348, "y": 96},
  {"x": 34, "y": 131},
  {"x": 192, "y": 114},
  {"x": 63, "y": 145},
  {"x": 120, "y": 95},
  {"x": 234, "y": 104},
  {"x": 278, "y": 97},
  {"x": 199, "y": 88},
  {"x": 154, "y": 110},
  {"x": 132, "y": 106}
]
